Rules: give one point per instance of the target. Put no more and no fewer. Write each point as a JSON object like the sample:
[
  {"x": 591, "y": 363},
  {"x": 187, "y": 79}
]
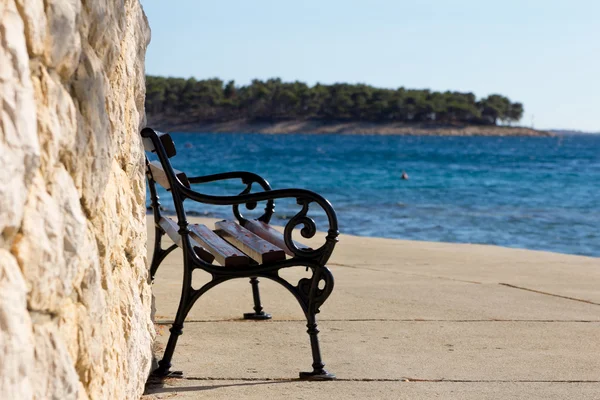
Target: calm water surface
[{"x": 534, "y": 193}]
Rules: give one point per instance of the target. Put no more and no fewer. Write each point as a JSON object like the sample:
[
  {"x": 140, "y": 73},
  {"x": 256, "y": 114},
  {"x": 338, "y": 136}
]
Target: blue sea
[{"x": 532, "y": 193}]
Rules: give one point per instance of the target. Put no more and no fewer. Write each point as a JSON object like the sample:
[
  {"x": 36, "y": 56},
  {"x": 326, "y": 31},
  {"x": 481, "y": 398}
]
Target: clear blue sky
[{"x": 543, "y": 53}]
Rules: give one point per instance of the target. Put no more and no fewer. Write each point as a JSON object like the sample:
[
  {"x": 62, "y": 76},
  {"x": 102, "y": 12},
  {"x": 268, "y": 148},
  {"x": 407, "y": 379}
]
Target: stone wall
[{"x": 74, "y": 296}]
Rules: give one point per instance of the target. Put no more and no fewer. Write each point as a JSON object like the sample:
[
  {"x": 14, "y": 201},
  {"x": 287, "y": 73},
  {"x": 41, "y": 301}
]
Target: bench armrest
[
  {"x": 303, "y": 197},
  {"x": 246, "y": 178}
]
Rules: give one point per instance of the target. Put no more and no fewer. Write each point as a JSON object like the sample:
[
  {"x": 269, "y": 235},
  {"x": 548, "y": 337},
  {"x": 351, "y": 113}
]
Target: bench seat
[
  {"x": 233, "y": 245},
  {"x": 253, "y": 245},
  {"x": 224, "y": 253}
]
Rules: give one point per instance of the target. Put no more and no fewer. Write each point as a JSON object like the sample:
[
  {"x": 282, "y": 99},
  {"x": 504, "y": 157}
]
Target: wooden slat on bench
[
  {"x": 257, "y": 248},
  {"x": 171, "y": 229},
  {"x": 224, "y": 253},
  {"x": 160, "y": 176},
  {"x": 165, "y": 140},
  {"x": 272, "y": 235}
]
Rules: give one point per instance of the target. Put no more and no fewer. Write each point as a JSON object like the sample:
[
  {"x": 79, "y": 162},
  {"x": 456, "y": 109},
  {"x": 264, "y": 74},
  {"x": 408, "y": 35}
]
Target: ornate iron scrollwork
[
  {"x": 251, "y": 205},
  {"x": 236, "y": 207},
  {"x": 321, "y": 294},
  {"x": 309, "y": 229}
]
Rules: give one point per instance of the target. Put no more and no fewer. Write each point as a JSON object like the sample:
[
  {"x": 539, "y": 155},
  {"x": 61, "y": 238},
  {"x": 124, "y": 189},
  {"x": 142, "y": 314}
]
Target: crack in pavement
[
  {"x": 549, "y": 294},
  {"x": 468, "y": 281},
  {"x": 407, "y": 273},
  {"x": 392, "y": 320},
  {"x": 404, "y": 379}
]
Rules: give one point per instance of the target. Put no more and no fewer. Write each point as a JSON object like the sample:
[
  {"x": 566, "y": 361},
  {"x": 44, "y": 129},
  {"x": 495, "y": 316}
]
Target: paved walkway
[{"x": 406, "y": 320}]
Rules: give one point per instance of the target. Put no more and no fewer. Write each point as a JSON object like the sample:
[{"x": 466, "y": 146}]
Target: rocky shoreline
[{"x": 358, "y": 128}]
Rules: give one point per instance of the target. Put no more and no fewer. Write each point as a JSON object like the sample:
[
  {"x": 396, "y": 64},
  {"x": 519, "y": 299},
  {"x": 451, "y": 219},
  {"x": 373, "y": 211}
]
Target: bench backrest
[{"x": 161, "y": 172}]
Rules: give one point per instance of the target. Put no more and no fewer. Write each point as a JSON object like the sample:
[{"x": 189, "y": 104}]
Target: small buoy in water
[
  {"x": 404, "y": 176},
  {"x": 188, "y": 145}
]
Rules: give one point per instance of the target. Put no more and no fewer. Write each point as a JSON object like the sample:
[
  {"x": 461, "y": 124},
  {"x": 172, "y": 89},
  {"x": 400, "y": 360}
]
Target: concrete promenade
[{"x": 406, "y": 320}]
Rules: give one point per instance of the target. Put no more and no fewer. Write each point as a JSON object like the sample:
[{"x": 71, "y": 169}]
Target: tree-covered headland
[{"x": 212, "y": 100}]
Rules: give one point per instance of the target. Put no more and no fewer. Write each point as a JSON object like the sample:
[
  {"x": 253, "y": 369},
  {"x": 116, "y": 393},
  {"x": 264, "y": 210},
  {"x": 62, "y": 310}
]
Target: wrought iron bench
[{"x": 246, "y": 248}]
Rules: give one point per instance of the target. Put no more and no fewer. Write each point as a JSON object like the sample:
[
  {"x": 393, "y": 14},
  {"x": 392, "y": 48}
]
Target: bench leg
[
  {"x": 258, "y": 313},
  {"x": 189, "y": 296},
  {"x": 164, "y": 365},
  {"x": 185, "y": 304},
  {"x": 318, "y": 373}
]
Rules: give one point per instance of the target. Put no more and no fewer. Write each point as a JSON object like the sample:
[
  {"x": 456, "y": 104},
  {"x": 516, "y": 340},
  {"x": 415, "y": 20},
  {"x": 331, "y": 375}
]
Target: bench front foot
[
  {"x": 317, "y": 375},
  {"x": 164, "y": 371},
  {"x": 257, "y": 316}
]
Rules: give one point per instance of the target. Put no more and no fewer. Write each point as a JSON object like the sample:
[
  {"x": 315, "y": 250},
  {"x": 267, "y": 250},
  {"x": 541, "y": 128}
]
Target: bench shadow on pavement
[{"x": 164, "y": 387}]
